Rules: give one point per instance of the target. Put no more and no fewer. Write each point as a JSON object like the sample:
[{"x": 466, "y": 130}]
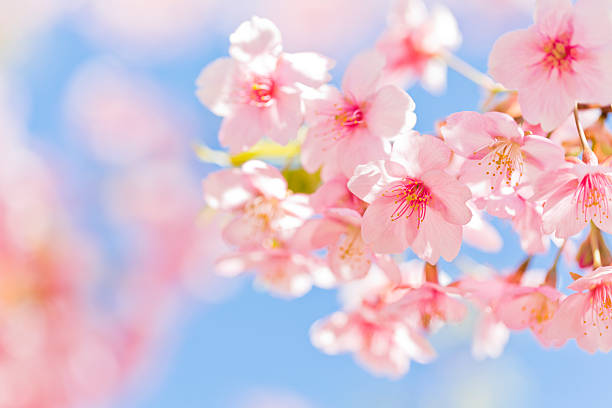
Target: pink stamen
[
  {"x": 559, "y": 53},
  {"x": 411, "y": 196},
  {"x": 593, "y": 195}
]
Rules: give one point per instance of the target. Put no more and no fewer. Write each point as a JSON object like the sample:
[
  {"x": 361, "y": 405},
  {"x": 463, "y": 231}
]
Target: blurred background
[{"x": 108, "y": 297}]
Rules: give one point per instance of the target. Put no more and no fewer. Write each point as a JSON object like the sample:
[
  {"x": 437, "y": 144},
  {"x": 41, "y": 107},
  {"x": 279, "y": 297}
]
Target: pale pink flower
[
  {"x": 522, "y": 307},
  {"x": 563, "y": 58},
  {"x": 414, "y": 42},
  {"x": 383, "y": 344},
  {"x": 427, "y": 305},
  {"x": 498, "y": 151},
  {"x": 575, "y": 195},
  {"x": 526, "y": 216},
  {"x": 354, "y": 126},
  {"x": 349, "y": 258},
  {"x": 258, "y": 90},
  {"x": 586, "y": 315},
  {"x": 283, "y": 271},
  {"x": 265, "y": 211},
  {"x": 413, "y": 201}
]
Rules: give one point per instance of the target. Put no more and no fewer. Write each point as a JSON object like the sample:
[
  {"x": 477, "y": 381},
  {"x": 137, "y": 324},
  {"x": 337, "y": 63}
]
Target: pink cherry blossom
[
  {"x": 413, "y": 202},
  {"x": 522, "y": 307},
  {"x": 349, "y": 258},
  {"x": 562, "y": 59},
  {"x": 353, "y": 126},
  {"x": 498, "y": 151},
  {"x": 574, "y": 195},
  {"x": 258, "y": 90},
  {"x": 264, "y": 210},
  {"x": 414, "y": 42},
  {"x": 526, "y": 216},
  {"x": 283, "y": 271},
  {"x": 585, "y": 316}
]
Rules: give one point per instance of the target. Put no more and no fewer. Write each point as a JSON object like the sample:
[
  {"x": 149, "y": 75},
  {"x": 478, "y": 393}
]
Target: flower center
[
  {"x": 559, "y": 53},
  {"x": 504, "y": 160},
  {"x": 350, "y": 116},
  {"x": 592, "y": 196},
  {"x": 261, "y": 92},
  {"x": 411, "y": 197}
]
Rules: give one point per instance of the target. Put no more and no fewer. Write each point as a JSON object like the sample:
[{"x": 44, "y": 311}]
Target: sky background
[{"x": 250, "y": 347}]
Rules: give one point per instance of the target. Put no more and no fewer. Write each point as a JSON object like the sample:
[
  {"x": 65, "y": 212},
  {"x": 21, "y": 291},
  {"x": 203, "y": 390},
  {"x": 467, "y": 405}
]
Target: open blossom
[
  {"x": 414, "y": 40},
  {"x": 258, "y": 90},
  {"x": 425, "y": 302},
  {"x": 349, "y": 258},
  {"x": 586, "y": 315},
  {"x": 533, "y": 307},
  {"x": 498, "y": 151},
  {"x": 382, "y": 339},
  {"x": 284, "y": 271},
  {"x": 264, "y": 210},
  {"x": 575, "y": 195},
  {"x": 353, "y": 126},
  {"x": 383, "y": 344},
  {"x": 526, "y": 216},
  {"x": 563, "y": 58},
  {"x": 413, "y": 201}
]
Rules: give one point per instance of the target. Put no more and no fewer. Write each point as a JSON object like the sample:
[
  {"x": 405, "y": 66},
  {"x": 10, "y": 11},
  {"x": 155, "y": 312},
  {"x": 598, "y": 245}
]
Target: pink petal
[
  {"x": 420, "y": 153},
  {"x": 542, "y": 152},
  {"x": 253, "y": 38},
  {"x": 451, "y": 194},
  {"x": 511, "y": 56},
  {"x": 362, "y": 76},
  {"x": 242, "y": 129},
  {"x": 265, "y": 178},
  {"x": 361, "y": 147},
  {"x": 561, "y": 214},
  {"x": 216, "y": 84},
  {"x": 369, "y": 180},
  {"x": 391, "y": 113},
  {"x": 308, "y": 68},
  {"x": 282, "y": 120},
  {"x": 384, "y": 235},
  {"x": 437, "y": 237},
  {"x": 227, "y": 189}
]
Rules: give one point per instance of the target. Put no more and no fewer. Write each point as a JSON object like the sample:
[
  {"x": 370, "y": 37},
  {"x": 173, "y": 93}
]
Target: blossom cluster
[{"x": 359, "y": 189}]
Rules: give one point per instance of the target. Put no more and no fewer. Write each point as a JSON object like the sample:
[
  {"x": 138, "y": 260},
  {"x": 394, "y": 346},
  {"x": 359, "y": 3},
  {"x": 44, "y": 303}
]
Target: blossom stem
[
  {"x": 587, "y": 154},
  {"x": 471, "y": 73},
  {"x": 595, "y": 246},
  {"x": 431, "y": 273}
]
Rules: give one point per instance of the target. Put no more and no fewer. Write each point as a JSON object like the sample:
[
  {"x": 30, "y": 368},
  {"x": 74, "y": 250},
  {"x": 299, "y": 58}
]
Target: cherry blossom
[
  {"x": 497, "y": 149},
  {"x": 585, "y": 316},
  {"x": 258, "y": 90},
  {"x": 574, "y": 195},
  {"x": 353, "y": 126},
  {"x": 558, "y": 61},
  {"x": 265, "y": 211},
  {"x": 413, "y": 202},
  {"x": 414, "y": 43}
]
